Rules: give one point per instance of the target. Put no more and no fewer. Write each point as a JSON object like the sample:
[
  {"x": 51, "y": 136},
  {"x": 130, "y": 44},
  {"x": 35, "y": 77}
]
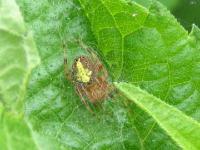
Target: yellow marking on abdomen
[{"x": 83, "y": 74}]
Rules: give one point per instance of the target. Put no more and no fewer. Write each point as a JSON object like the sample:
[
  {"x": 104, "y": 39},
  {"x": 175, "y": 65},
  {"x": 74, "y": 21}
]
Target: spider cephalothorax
[{"x": 89, "y": 77}]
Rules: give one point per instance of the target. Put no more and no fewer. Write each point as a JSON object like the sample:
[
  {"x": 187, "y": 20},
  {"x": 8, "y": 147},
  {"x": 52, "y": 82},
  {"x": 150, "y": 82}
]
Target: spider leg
[
  {"x": 94, "y": 55},
  {"x": 66, "y": 70},
  {"x": 83, "y": 100},
  {"x": 105, "y": 72},
  {"x": 88, "y": 49},
  {"x": 98, "y": 68}
]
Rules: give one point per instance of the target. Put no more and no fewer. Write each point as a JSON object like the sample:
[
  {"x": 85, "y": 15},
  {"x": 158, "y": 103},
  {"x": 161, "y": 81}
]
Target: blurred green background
[{"x": 187, "y": 12}]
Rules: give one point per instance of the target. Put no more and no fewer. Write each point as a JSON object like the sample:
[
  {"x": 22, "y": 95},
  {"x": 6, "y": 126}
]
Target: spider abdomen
[{"x": 97, "y": 91}]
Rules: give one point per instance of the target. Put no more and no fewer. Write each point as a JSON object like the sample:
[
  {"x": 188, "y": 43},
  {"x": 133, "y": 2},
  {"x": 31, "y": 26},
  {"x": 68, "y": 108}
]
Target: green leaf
[
  {"x": 18, "y": 54},
  {"x": 159, "y": 56},
  {"x": 111, "y": 22},
  {"x": 183, "y": 129},
  {"x": 16, "y": 133},
  {"x": 144, "y": 46}
]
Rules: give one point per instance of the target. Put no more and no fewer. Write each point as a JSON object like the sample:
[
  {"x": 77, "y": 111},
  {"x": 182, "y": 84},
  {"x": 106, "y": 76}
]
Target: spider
[{"x": 89, "y": 77}]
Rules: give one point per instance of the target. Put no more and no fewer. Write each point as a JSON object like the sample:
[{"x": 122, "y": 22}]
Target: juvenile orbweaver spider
[{"x": 88, "y": 76}]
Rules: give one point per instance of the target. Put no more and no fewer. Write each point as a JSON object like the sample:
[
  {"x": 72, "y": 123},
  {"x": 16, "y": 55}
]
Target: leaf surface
[
  {"x": 18, "y": 55},
  {"x": 158, "y": 55},
  {"x": 144, "y": 46},
  {"x": 183, "y": 129},
  {"x": 15, "y": 133}
]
